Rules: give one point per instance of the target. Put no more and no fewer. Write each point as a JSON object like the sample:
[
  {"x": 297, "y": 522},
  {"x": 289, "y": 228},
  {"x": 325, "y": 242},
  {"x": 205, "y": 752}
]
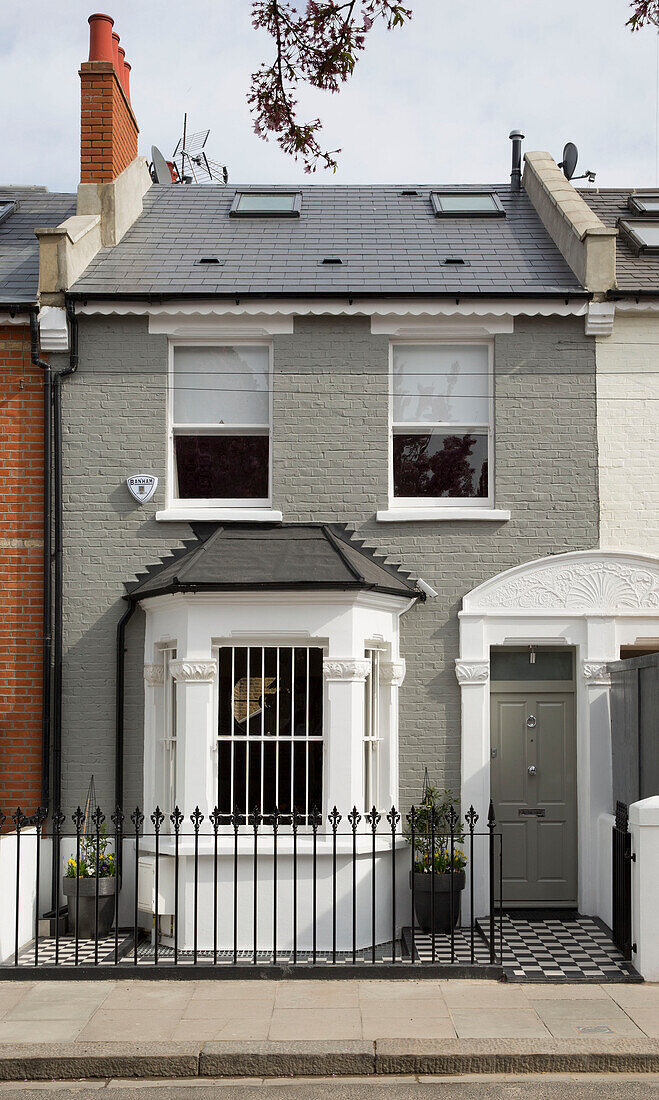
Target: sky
[{"x": 431, "y": 103}]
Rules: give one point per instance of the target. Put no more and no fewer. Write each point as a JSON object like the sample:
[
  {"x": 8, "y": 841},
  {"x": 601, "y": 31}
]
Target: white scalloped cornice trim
[
  {"x": 472, "y": 672},
  {"x": 346, "y": 668},
  {"x": 194, "y": 672},
  {"x": 364, "y": 307}
]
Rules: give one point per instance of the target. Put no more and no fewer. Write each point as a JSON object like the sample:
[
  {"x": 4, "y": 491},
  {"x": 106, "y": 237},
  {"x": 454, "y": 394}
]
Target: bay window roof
[{"x": 248, "y": 557}]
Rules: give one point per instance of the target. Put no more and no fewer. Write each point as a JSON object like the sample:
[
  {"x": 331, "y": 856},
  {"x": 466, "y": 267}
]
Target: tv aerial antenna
[
  {"x": 569, "y": 164},
  {"x": 194, "y": 165}
]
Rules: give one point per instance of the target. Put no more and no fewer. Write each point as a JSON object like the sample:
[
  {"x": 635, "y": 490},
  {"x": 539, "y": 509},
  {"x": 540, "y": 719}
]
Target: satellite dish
[
  {"x": 160, "y": 170},
  {"x": 569, "y": 161}
]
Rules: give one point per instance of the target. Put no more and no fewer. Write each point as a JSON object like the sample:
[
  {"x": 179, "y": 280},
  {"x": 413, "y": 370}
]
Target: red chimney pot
[
  {"x": 100, "y": 37},
  {"x": 115, "y": 54},
  {"x": 121, "y": 73},
  {"x": 127, "y": 80}
]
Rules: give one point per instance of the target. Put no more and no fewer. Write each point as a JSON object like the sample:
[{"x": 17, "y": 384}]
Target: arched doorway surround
[{"x": 595, "y": 601}]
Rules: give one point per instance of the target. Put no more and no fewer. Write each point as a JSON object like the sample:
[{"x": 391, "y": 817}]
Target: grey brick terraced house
[{"x": 365, "y": 539}]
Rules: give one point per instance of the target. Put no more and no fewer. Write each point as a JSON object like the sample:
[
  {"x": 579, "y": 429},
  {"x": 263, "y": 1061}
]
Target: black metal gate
[{"x": 622, "y": 882}]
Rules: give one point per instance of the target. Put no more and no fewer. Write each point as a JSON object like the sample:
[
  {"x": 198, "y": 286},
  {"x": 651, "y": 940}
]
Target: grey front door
[{"x": 533, "y": 782}]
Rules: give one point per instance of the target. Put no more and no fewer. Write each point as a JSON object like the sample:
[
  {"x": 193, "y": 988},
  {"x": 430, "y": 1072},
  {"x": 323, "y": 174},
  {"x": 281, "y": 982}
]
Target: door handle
[{"x": 532, "y": 769}]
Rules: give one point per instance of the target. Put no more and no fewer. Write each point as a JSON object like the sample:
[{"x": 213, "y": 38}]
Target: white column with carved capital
[
  {"x": 196, "y": 736},
  {"x": 594, "y": 791},
  {"x": 392, "y": 674},
  {"x": 473, "y": 676},
  {"x": 344, "y": 685}
]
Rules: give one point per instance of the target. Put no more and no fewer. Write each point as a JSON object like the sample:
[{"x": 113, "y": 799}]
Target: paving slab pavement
[{"x": 197, "y": 1028}]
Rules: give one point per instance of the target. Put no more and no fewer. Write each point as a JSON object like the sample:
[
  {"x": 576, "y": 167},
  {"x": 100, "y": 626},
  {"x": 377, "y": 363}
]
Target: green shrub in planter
[
  {"x": 434, "y": 859},
  {"x": 81, "y": 881}
]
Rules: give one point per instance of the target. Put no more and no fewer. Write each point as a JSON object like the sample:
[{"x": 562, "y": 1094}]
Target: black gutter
[
  {"x": 237, "y": 295},
  {"x": 613, "y": 295},
  {"x": 120, "y": 670},
  {"x": 47, "y": 620}
]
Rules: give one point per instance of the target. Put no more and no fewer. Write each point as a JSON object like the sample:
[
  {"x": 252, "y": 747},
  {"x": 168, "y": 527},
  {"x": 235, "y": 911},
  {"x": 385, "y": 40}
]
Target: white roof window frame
[
  {"x": 497, "y": 210},
  {"x": 637, "y": 204},
  {"x": 293, "y": 212},
  {"x": 633, "y": 238}
]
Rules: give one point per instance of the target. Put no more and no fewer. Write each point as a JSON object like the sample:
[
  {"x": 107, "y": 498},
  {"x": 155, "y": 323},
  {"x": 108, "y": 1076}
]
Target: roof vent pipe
[
  {"x": 100, "y": 37},
  {"x": 517, "y": 137}
]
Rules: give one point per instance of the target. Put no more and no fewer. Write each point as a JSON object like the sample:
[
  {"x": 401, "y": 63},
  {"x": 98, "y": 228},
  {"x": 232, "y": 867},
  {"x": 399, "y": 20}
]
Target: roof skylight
[
  {"x": 644, "y": 204},
  {"x": 642, "y": 235},
  {"x": 266, "y": 204},
  {"x": 7, "y": 206},
  {"x": 466, "y": 204}
]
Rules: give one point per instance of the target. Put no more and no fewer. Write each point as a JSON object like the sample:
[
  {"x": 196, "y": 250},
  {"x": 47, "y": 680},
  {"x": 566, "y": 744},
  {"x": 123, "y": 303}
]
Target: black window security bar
[{"x": 297, "y": 894}]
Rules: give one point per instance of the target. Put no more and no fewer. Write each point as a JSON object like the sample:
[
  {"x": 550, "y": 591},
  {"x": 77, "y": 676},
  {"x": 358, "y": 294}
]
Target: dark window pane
[
  {"x": 269, "y": 776},
  {"x": 285, "y": 694},
  {"x": 254, "y": 798},
  {"x": 315, "y": 774},
  {"x": 239, "y": 776},
  {"x": 222, "y": 467},
  {"x": 510, "y": 664},
  {"x": 315, "y": 692},
  {"x": 300, "y": 776},
  {"x": 224, "y": 777},
  {"x": 285, "y": 753},
  {"x": 440, "y": 465},
  {"x": 224, "y": 707},
  {"x": 300, "y": 693}
]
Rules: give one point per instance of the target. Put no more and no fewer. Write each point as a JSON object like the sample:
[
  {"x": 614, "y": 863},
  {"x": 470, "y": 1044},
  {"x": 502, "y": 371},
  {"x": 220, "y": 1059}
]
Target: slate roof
[
  {"x": 245, "y": 556},
  {"x": 19, "y": 248},
  {"x": 632, "y": 272},
  {"x": 390, "y": 244}
]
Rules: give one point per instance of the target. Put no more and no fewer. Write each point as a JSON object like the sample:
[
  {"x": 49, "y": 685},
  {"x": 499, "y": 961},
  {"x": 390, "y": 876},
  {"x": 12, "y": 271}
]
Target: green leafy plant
[
  {"x": 86, "y": 868},
  {"x": 432, "y": 832}
]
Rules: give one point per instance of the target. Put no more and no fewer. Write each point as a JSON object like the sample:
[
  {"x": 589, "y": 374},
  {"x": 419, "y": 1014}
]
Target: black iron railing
[
  {"x": 214, "y": 891},
  {"x": 622, "y": 882}
]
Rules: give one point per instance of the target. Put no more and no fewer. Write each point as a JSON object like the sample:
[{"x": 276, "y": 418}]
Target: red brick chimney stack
[{"x": 108, "y": 126}]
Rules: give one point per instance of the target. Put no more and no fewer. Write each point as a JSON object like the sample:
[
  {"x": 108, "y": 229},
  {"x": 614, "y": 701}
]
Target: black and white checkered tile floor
[
  {"x": 540, "y": 948},
  {"x": 536, "y": 948}
]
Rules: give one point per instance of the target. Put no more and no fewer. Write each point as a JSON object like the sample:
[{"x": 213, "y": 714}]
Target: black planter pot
[
  {"x": 87, "y": 906},
  {"x": 423, "y": 884}
]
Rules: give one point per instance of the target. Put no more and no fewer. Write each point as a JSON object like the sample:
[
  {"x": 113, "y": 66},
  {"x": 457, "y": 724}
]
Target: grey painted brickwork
[{"x": 329, "y": 463}]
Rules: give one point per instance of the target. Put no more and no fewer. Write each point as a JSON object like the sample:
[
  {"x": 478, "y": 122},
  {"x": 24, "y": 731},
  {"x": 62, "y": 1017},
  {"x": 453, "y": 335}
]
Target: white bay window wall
[{"x": 282, "y": 699}]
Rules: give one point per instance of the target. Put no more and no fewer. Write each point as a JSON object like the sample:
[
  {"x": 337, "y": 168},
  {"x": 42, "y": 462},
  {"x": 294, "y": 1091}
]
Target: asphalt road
[{"x": 556, "y": 1087}]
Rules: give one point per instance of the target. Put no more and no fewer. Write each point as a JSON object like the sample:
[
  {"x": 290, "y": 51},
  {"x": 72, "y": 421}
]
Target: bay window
[
  {"x": 441, "y": 424},
  {"x": 220, "y": 425},
  {"x": 167, "y": 801},
  {"x": 270, "y": 730}
]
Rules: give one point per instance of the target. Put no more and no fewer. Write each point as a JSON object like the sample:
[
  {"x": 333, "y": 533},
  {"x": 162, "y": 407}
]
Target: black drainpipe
[
  {"x": 58, "y": 526},
  {"x": 119, "y": 704},
  {"x": 47, "y": 640}
]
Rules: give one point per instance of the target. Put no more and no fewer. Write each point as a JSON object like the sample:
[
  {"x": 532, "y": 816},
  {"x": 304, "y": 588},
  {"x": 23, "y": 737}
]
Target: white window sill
[
  {"x": 214, "y": 515},
  {"x": 410, "y": 515}
]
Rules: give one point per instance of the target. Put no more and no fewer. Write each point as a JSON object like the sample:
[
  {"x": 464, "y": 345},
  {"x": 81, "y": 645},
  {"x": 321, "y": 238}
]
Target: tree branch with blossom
[
  {"x": 643, "y": 12},
  {"x": 319, "y": 47}
]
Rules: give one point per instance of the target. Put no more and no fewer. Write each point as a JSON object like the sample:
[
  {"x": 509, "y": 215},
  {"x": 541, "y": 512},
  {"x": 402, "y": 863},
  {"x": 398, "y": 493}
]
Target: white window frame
[
  {"x": 398, "y": 503},
  {"x": 372, "y": 736},
  {"x": 255, "y": 643},
  {"x": 168, "y": 736},
  {"x": 198, "y": 504}
]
